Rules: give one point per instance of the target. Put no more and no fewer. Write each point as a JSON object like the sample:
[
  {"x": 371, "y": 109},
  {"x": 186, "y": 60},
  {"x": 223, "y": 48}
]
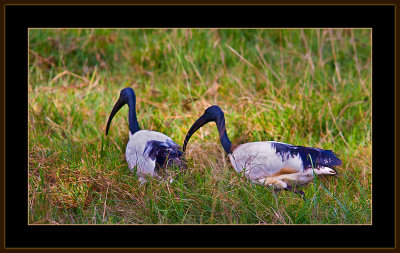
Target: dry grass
[{"x": 305, "y": 87}]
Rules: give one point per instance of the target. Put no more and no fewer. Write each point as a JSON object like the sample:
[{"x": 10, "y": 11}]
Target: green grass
[{"x": 305, "y": 87}]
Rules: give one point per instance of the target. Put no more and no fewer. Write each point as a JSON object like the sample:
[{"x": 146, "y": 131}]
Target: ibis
[
  {"x": 150, "y": 153},
  {"x": 270, "y": 163}
]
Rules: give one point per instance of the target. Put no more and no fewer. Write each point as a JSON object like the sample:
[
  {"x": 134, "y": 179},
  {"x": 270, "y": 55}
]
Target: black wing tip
[
  {"x": 335, "y": 159},
  {"x": 158, "y": 148},
  {"x": 165, "y": 154},
  {"x": 329, "y": 159},
  {"x": 337, "y": 162},
  {"x": 310, "y": 156}
]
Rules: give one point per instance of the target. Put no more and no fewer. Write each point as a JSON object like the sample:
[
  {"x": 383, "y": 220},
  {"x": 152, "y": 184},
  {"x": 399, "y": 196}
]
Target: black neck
[
  {"x": 133, "y": 123},
  {"x": 223, "y": 136}
]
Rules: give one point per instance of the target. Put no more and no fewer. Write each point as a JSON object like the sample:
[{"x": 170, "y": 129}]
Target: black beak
[
  {"x": 199, "y": 123},
  {"x": 116, "y": 108}
]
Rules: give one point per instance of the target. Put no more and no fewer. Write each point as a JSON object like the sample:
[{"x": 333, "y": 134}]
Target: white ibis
[
  {"x": 150, "y": 152},
  {"x": 270, "y": 163}
]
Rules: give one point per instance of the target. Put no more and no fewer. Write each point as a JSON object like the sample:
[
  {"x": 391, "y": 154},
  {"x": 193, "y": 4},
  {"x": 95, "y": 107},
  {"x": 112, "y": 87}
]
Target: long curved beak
[
  {"x": 115, "y": 109},
  {"x": 199, "y": 123}
]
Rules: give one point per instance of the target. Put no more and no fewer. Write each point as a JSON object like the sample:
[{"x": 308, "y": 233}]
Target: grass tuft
[{"x": 309, "y": 87}]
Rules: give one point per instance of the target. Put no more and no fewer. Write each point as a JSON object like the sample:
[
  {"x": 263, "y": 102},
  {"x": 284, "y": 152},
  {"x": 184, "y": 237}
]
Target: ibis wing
[
  {"x": 319, "y": 157},
  {"x": 310, "y": 156},
  {"x": 163, "y": 152}
]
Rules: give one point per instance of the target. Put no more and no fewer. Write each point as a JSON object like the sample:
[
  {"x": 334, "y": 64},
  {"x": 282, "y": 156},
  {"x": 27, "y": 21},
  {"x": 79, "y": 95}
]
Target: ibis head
[
  {"x": 127, "y": 96},
  {"x": 212, "y": 113}
]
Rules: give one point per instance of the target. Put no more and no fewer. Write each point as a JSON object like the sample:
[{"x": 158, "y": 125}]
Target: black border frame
[{"x": 381, "y": 18}]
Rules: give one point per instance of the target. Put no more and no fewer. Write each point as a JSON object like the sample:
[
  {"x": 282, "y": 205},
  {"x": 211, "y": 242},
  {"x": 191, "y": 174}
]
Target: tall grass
[{"x": 309, "y": 87}]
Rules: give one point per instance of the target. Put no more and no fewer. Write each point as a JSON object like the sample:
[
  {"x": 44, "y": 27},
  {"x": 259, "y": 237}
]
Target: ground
[{"x": 308, "y": 87}]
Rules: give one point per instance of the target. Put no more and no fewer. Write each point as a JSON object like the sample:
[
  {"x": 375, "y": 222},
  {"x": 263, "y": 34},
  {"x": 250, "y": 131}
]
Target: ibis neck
[
  {"x": 133, "y": 123},
  {"x": 223, "y": 136}
]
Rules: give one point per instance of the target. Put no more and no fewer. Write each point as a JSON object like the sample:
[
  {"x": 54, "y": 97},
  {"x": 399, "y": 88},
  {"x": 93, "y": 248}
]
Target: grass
[{"x": 307, "y": 87}]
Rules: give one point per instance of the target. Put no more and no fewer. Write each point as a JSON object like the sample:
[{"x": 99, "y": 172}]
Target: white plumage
[
  {"x": 149, "y": 153},
  {"x": 259, "y": 160},
  {"x": 270, "y": 163},
  {"x": 262, "y": 165},
  {"x": 136, "y": 156}
]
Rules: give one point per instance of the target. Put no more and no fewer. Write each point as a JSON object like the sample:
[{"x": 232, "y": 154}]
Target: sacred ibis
[
  {"x": 270, "y": 163},
  {"x": 150, "y": 153}
]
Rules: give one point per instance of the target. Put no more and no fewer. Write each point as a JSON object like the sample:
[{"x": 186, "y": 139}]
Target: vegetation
[{"x": 308, "y": 87}]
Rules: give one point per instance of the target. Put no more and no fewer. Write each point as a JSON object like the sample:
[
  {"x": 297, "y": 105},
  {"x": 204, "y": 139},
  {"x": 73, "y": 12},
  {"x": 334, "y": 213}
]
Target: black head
[
  {"x": 212, "y": 113},
  {"x": 126, "y": 96}
]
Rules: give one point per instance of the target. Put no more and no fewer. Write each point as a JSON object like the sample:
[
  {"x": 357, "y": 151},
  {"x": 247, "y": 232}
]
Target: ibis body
[
  {"x": 270, "y": 163},
  {"x": 150, "y": 153}
]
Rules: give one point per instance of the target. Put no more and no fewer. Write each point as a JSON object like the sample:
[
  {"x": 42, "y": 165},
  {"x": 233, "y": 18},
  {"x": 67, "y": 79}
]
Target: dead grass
[{"x": 305, "y": 87}]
